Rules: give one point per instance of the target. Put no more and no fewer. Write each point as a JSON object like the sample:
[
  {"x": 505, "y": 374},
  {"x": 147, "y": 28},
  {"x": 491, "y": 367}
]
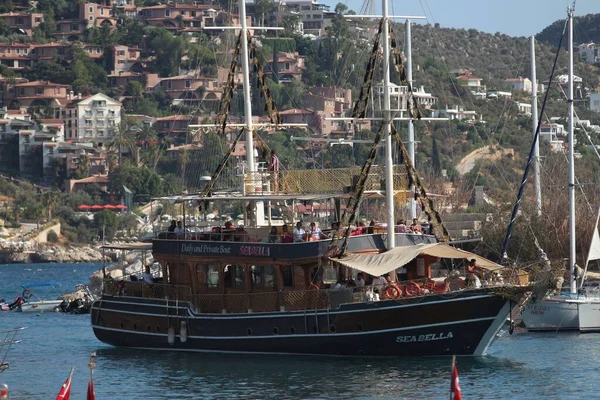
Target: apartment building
[{"x": 22, "y": 23}]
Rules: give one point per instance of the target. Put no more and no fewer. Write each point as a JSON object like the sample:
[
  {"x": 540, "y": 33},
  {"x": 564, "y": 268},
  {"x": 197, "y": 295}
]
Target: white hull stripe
[
  {"x": 466, "y": 321},
  {"x": 278, "y": 314}
]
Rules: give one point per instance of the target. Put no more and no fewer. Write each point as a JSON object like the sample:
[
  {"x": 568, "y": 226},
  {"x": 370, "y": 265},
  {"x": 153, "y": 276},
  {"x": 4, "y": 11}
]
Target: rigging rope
[
  {"x": 207, "y": 189},
  {"x": 360, "y": 107},
  {"x": 270, "y": 108},
  {"x": 225, "y": 105},
  {"x": 438, "y": 227},
  {"x": 530, "y": 158}
]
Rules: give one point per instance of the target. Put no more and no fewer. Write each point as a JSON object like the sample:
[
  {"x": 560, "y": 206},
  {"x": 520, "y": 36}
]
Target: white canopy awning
[{"x": 380, "y": 264}]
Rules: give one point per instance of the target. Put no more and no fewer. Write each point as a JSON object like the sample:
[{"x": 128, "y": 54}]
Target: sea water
[{"x": 518, "y": 366}]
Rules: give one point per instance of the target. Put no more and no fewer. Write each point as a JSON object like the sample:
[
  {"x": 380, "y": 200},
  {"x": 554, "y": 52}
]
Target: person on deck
[
  {"x": 379, "y": 283},
  {"x": 286, "y": 236},
  {"x": 471, "y": 274},
  {"x": 315, "y": 232},
  {"x": 416, "y": 226},
  {"x": 299, "y": 233},
  {"x": 147, "y": 276},
  {"x": 360, "y": 282},
  {"x": 179, "y": 229},
  {"x": 273, "y": 235},
  {"x": 400, "y": 227},
  {"x": 173, "y": 226},
  {"x": 274, "y": 169}
]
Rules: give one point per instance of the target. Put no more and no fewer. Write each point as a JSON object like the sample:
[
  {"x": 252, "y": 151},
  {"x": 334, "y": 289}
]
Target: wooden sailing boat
[{"x": 253, "y": 296}]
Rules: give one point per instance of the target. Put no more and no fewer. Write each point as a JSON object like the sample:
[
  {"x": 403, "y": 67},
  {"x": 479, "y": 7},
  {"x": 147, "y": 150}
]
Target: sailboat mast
[
  {"x": 572, "y": 255},
  {"x": 534, "y": 120},
  {"x": 389, "y": 163},
  {"x": 247, "y": 99},
  {"x": 411, "y": 127}
]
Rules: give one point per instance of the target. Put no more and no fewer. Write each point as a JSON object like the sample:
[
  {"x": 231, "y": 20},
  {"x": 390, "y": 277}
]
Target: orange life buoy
[
  {"x": 393, "y": 291},
  {"x": 313, "y": 286},
  {"x": 412, "y": 289}
]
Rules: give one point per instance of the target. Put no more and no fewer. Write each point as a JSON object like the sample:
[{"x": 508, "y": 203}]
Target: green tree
[
  {"x": 168, "y": 51},
  {"x": 106, "y": 221},
  {"x": 122, "y": 138},
  {"x": 435, "y": 158}
]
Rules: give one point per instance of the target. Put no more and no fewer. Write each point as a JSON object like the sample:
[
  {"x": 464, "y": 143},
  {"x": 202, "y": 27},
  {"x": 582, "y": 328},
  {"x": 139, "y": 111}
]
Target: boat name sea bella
[
  {"x": 424, "y": 338},
  {"x": 257, "y": 251}
]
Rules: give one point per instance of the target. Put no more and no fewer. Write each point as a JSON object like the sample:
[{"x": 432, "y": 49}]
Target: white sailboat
[{"x": 561, "y": 312}]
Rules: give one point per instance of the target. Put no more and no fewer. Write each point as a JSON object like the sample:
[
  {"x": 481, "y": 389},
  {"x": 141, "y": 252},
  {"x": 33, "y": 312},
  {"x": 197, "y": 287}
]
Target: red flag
[
  {"x": 65, "y": 390},
  {"x": 455, "y": 393},
  {"x": 91, "y": 395}
]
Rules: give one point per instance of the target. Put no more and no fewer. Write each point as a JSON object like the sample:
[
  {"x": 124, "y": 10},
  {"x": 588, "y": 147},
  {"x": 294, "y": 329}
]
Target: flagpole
[{"x": 452, "y": 377}]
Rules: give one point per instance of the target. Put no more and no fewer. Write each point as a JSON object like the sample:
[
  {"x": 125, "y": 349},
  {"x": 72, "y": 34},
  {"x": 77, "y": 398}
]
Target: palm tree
[
  {"x": 122, "y": 137},
  {"x": 49, "y": 200},
  {"x": 146, "y": 134},
  {"x": 83, "y": 168}
]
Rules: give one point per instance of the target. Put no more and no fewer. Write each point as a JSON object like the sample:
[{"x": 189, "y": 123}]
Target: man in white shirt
[
  {"x": 299, "y": 233},
  {"x": 360, "y": 282},
  {"x": 179, "y": 228},
  {"x": 380, "y": 283}
]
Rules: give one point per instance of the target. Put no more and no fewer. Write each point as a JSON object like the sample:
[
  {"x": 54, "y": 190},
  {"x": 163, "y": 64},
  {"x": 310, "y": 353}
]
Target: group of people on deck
[
  {"x": 176, "y": 227},
  {"x": 298, "y": 234},
  {"x": 414, "y": 228}
]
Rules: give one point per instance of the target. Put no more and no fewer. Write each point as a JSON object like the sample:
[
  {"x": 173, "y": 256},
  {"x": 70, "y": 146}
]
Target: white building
[
  {"x": 455, "y": 113},
  {"x": 520, "y": 84},
  {"x": 97, "y": 118},
  {"x": 523, "y": 108},
  {"x": 588, "y": 53},
  {"x": 595, "y": 102}
]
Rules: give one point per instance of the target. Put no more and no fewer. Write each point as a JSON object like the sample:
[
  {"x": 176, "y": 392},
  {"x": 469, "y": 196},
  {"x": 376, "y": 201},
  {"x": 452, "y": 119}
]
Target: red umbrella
[
  {"x": 97, "y": 207},
  {"x": 84, "y": 207},
  {"x": 121, "y": 207},
  {"x": 109, "y": 207}
]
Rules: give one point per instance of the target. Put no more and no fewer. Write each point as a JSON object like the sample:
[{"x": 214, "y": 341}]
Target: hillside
[{"x": 586, "y": 29}]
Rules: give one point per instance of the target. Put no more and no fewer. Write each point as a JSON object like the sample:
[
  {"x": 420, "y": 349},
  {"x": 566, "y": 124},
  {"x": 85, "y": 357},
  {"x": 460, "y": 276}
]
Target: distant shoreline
[{"x": 53, "y": 254}]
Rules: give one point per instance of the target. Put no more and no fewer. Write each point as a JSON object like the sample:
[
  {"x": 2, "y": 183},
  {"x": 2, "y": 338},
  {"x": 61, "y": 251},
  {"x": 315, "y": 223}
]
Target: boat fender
[
  {"x": 393, "y": 292},
  {"x": 412, "y": 289},
  {"x": 171, "y": 336},
  {"x": 313, "y": 286},
  {"x": 183, "y": 332},
  {"x": 27, "y": 293},
  {"x": 3, "y": 391}
]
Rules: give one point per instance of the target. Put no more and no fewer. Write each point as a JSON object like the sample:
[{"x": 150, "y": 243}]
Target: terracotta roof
[
  {"x": 190, "y": 147},
  {"x": 51, "y": 121},
  {"x": 41, "y": 83},
  {"x": 295, "y": 111},
  {"x": 175, "y": 118},
  {"x": 182, "y": 6},
  {"x": 124, "y": 75},
  {"x": 51, "y": 44},
  {"x": 14, "y": 14},
  {"x": 519, "y": 79},
  {"x": 93, "y": 179},
  {"x": 14, "y": 44},
  {"x": 467, "y": 77}
]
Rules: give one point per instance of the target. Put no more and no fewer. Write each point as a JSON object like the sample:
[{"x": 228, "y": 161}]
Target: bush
[{"x": 52, "y": 237}]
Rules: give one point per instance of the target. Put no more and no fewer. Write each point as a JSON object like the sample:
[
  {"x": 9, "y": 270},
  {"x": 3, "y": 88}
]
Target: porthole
[
  {"x": 275, "y": 331},
  {"x": 359, "y": 327},
  {"x": 332, "y": 329},
  {"x": 148, "y": 328},
  {"x": 249, "y": 332},
  {"x": 293, "y": 330}
]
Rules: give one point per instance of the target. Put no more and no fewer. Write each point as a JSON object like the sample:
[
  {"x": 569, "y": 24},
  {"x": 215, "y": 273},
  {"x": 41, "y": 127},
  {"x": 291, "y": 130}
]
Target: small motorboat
[{"x": 32, "y": 302}]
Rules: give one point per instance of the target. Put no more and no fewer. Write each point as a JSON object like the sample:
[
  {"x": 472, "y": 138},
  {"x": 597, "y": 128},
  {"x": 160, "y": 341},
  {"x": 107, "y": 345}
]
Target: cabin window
[
  {"x": 287, "y": 273},
  {"x": 212, "y": 276},
  {"x": 262, "y": 276},
  {"x": 234, "y": 276}
]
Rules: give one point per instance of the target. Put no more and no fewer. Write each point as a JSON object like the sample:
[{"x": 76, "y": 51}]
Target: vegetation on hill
[{"x": 586, "y": 29}]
